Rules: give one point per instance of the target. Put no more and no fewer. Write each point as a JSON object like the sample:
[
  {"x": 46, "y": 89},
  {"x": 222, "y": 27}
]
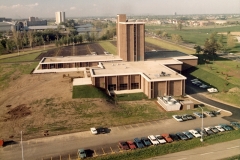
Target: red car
[
  {"x": 167, "y": 137},
  {"x": 123, "y": 145},
  {"x": 131, "y": 145}
]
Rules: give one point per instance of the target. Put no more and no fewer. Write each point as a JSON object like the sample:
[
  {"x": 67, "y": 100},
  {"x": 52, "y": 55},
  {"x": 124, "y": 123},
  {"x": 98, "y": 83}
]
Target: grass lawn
[
  {"x": 87, "y": 91},
  {"x": 109, "y": 47},
  {"x": 10, "y": 72},
  {"x": 196, "y": 35},
  {"x": 131, "y": 97},
  {"x": 21, "y": 58},
  {"x": 172, "y": 147},
  {"x": 222, "y": 74},
  {"x": 169, "y": 46}
]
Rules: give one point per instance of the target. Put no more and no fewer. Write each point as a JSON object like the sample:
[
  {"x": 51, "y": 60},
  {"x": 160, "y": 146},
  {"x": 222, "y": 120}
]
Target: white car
[
  {"x": 153, "y": 139},
  {"x": 220, "y": 128},
  {"x": 212, "y": 90},
  {"x": 93, "y": 130},
  {"x": 195, "y": 133},
  {"x": 160, "y": 139},
  {"x": 177, "y": 118}
]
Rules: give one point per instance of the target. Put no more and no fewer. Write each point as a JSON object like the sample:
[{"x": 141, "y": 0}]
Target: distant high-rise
[
  {"x": 31, "y": 19},
  {"x": 130, "y": 39},
  {"x": 60, "y": 17}
]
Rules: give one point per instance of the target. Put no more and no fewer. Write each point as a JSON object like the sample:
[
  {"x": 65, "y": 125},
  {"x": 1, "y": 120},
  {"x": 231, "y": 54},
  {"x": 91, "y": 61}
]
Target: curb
[{"x": 209, "y": 104}]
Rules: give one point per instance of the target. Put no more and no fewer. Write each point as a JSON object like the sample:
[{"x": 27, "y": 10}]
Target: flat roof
[
  {"x": 155, "y": 55},
  {"x": 85, "y": 58},
  {"x": 150, "y": 70},
  {"x": 131, "y": 22}
]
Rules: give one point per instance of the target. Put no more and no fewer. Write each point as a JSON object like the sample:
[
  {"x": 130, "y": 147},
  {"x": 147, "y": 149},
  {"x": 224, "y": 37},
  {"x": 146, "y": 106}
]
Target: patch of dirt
[
  {"x": 18, "y": 112},
  {"x": 234, "y": 90}
]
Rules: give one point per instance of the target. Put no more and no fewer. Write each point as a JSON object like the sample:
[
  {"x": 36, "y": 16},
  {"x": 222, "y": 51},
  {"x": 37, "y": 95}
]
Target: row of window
[{"x": 123, "y": 86}]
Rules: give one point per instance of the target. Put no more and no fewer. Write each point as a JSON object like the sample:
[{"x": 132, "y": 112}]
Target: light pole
[
  {"x": 202, "y": 124},
  {"x": 22, "y": 146}
]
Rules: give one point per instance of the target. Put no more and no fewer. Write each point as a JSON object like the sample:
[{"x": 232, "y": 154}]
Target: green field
[
  {"x": 131, "y": 97},
  {"x": 169, "y": 46},
  {"x": 21, "y": 58},
  {"x": 196, "y": 35},
  {"x": 222, "y": 74},
  {"x": 109, "y": 47},
  {"x": 88, "y": 91}
]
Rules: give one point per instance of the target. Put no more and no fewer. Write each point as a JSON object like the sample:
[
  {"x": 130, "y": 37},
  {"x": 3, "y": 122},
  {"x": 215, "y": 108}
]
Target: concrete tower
[{"x": 60, "y": 17}]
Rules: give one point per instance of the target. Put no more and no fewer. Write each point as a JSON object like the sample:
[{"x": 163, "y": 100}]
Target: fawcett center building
[{"x": 155, "y": 73}]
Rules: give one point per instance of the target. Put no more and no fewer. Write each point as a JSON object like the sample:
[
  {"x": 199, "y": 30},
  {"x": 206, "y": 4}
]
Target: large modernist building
[
  {"x": 60, "y": 17},
  {"x": 130, "y": 39},
  {"x": 155, "y": 73}
]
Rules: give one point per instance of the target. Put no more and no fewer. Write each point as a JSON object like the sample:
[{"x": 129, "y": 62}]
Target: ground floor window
[
  {"x": 60, "y": 65},
  {"x": 112, "y": 87},
  {"x": 44, "y": 66},
  {"x": 123, "y": 86},
  {"x": 134, "y": 85}
]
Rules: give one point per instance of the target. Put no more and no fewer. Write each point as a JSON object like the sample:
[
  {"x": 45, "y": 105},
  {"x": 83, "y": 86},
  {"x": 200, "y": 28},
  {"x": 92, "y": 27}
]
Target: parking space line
[
  {"x": 119, "y": 149},
  {"x": 95, "y": 153},
  {"x": 112, "y": 150},
  {"x": 103, "y": 152}
]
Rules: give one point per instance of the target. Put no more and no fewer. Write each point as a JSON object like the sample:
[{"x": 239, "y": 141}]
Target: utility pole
[{"x": 22, "y": 146}]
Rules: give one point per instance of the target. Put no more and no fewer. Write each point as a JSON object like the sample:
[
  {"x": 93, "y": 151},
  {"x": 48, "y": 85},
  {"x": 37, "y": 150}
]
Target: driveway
[{"x": 196, "y": 93}]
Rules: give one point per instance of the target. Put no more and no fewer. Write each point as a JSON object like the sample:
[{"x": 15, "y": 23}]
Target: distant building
[
  {"x": 31, "y": 19},
  {"x": 3, "y": 19},
  {"x": 60, "y": 17},
  {"x": 35, "y": 23}
]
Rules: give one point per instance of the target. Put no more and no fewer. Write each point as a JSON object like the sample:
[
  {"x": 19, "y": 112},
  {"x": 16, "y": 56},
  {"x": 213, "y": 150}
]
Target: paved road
[
  {"x": 196, "y": 93},
  {"x": 212, "y": 152},
  {"x": 51, "y": 146}
]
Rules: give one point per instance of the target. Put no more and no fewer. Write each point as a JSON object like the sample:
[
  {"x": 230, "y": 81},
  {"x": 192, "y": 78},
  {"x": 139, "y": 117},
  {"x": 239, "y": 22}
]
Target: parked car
[
  {"x": 200, "y": 115},
  {"x": 153, "y": 139},
  {"x": 146, "y": 141},
  {"x": 212, "y": 90},
  {"x": 208, "y": 130},
  {"x": 204, "y": 86},
  {"x": 235, "y": 125},
  {"x": 131, "y": 145},
  {"x": 123, "y": 145},
  {"x": 188, "y": 134},
  {"x": 201, "y": 131},
  {"x": 226, "y": 127},
  {"x": 177, "y": 118},
  {"x": 220, "y": 128},
  {"x": 182, "y": 136},
  {"x": 214, "y": 129},
  {"x": 81, "y": 153},
  {"x": 195, "y": 133},
  {"x": 138, "y": 143},
  {"x": 197, "y": 83},
  {"x": 174, "y": 137},
  {"x": 184, "y": 117},
  {"x": 160, "y": 139},
  {"x": 101, "y": 130},
  {"x": 93, "y": 130},
  {"x": 189, "y": 117},
  {"x": 194, "y": 80},
  {"x": 167, "y": 137},
  {"x": 209, "y": 114}
]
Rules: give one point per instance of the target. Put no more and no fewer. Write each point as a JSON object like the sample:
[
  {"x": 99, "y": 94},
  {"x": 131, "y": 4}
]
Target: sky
[{"x": 85, "y": 8}]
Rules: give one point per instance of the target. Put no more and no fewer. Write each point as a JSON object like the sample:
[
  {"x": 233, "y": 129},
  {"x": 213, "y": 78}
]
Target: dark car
[
  {"x": 235, "y": 125},
  {"x": 174, "y": 137},
  {"x": 101, "y": 130},
  {"x": 189, "y": 117},
  {"x": 200, "y": 131},
  {"x": 146, "y": 141},
  {"x": 123, "y": 145},
  {"x": 189, "y": 135},
  {"x": 208, "y": 130},
  {"x": 138, "y": 143},
  {"x": 182, "y": 136},
  {"x": 214, "y": 129},
  {"x": 184, "y": 117},
  {"x": 226, "y": 127}
]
